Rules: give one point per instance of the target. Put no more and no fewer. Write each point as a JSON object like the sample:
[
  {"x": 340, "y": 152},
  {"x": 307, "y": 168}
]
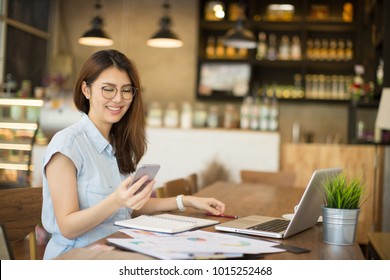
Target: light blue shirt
[{"x": 97, "y": 177}]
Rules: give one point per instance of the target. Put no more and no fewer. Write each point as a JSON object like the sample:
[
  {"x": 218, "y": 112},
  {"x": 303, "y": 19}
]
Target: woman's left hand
[{"x": 211, "y": 205}]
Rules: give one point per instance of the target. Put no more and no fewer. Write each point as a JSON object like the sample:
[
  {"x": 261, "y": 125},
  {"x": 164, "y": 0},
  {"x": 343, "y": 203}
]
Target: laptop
[{"x": 306, "y": 215}]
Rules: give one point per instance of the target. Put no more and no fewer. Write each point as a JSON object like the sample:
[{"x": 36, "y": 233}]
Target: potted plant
[{"x": 343, "y": 197}]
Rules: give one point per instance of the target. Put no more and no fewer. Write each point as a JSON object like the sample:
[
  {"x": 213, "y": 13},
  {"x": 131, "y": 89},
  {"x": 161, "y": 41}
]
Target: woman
[{"x": 86, "y": 168}]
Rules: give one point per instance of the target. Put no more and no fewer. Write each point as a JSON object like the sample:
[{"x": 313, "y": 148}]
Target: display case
[
  {"x": 306, "y": 52},
  {"x": 18, "y": 128}
]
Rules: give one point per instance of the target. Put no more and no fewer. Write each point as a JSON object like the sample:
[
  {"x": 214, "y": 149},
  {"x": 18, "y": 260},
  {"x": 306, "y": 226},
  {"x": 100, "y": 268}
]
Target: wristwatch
[{"x": 179, "y": 201}]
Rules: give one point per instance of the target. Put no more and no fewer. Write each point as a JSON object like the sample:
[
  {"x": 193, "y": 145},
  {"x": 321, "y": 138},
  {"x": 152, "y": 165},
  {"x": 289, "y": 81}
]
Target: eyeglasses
[{"x": 127, "y": 92}]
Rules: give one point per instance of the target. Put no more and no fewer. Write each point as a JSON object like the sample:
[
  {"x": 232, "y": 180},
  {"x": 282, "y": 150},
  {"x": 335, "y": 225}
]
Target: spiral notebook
[{"x": 166, "y": 223}]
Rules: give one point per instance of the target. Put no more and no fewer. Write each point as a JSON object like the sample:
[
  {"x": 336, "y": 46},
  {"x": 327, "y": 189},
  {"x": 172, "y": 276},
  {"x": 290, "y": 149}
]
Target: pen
[{"x": 222, "y": 216}]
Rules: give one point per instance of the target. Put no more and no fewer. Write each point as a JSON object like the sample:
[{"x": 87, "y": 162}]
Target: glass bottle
[
  {"x": 213, "y": 117},
  {"x": 324, "y": 49},
  {"x": 264, "y": 111},
  {"x": 210, "y": 49},
  {"x": 271, "y": 52},
  {"x": 309, "y": 86},
  {"x": 317, "y": 49},
  {"x": 341, "y": 50},
  {"x": 296, "y": 50},
  {"x": 262, "y": 46},
  {"x": 284, "y": 48},
  {"x": 200, "y": 115},
  {"x": 273, "y": 122},
  {"x": 154, "y": 116},
  {"x": 309, "y": 49},
  {"x": 332, "y": 49},
  {"x": 186, "y": 116},
  {"x": 245, "y": 112},
  {"x": 229, "y": 119},
  {"x": 171, "y": 115},
  {"x": 220, "y": 50},
  {"x": 298, "y": 90},
  {"x": 230, "y": 52},
  {"x": 254, "y": 115},
  {"x": 349, "y": 50}
]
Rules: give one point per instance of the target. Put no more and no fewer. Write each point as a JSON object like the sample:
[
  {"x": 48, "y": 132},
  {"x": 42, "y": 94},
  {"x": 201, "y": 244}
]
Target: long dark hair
[{"x": 127, "y": 136}]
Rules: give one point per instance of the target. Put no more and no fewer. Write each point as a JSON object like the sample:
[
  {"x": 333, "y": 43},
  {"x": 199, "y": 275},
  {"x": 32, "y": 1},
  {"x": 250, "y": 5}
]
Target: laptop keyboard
[{"x": 276, "y": 225}]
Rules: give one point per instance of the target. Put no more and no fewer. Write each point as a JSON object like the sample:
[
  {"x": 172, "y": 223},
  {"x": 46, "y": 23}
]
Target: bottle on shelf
[
  {"x": 332, "y": 49},
  {"x": 271, "y": 52},
  {"x": 273, "y": 123},
  {"x": 296, "y": 50},
  {"x": 264, "y": 111},
  {"x": 341, "y": 50},
  {"x": 262, "y": 46},
  {"x": 210, "y": 49},
  {"x": 220, "y": 49},
  {"x": 245, "y": 110},
  {"x": 298, "y": 90},
  {"x": 231, "y": 52},
  {"x": 284, "y": 48},
  {"x": 316, "y": 49},
  {"x": 309, "y": 49},
  {"x": 254, "y": 115},
  {"x": 324, "y": 54},
  {"x": 349, "y": 50}
]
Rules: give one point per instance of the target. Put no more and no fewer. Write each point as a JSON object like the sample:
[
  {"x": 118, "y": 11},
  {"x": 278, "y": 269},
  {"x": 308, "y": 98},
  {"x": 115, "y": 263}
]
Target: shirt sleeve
[{"x": 66, "y": 144}]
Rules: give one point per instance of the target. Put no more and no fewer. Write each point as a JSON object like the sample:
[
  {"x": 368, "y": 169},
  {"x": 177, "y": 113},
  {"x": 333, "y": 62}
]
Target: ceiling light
[
  {"x": 239, "y": 37},
  {"x": 164, "y": 37},
  {"x": 96, "y": 36}
]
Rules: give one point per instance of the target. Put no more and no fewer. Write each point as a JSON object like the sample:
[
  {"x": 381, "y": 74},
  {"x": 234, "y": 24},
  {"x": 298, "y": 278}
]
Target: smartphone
[{"x": 145, "y": 169}]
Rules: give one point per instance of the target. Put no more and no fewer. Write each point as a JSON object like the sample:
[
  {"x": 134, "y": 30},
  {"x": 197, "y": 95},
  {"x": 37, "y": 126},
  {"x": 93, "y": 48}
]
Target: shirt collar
[{"x": 95, "y": 136}]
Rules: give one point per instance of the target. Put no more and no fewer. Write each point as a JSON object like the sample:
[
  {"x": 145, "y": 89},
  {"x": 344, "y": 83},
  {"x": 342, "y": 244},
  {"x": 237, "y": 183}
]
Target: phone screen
[{"x": 146, "y": 169}]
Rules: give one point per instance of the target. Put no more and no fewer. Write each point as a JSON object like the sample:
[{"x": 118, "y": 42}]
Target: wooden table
[{"x": 248, "y": 199}]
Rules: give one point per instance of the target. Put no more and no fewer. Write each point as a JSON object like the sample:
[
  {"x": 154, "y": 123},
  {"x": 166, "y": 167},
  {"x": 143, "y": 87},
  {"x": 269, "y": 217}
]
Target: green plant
[{"x": 342, "y": 192}]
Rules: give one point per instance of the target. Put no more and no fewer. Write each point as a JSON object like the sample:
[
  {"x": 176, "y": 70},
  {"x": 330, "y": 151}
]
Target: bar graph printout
[{"x": 191, "y": 244}]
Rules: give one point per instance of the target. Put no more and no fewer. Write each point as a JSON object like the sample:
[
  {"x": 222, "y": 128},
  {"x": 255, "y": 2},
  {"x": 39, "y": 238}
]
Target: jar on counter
[
  {"x": 186, "y": 115},
  {"x": 200, "y": 115},
  {"x": 213, "y": 117},
  {"x": 230, "y": 117},
  {"x": 154, "y": 116},
  {"x": 171, "y": 116}
]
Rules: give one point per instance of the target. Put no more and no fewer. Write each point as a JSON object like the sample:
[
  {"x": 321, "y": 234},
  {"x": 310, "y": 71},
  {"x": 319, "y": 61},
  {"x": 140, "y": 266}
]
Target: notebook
[
  {"x": 166, "y": 223},
  {"x": 306, "y": 215}
]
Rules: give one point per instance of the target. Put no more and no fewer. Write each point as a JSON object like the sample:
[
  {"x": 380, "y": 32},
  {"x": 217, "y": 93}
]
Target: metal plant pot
[{"x": 339, "y": 225}]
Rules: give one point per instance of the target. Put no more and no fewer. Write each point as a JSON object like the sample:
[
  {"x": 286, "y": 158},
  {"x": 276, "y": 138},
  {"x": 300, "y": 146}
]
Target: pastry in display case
[{"x": 18, "y": 129}]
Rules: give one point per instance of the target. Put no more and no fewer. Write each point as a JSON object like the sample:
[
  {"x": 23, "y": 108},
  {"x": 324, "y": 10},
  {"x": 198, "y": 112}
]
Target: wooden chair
[
  {"x": 186, "y": 186},
  {"x": 20, "y": 213},
  {"x": 279, "y": 178}
]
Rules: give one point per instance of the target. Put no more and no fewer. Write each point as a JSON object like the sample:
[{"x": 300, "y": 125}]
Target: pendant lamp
[
  {"x": 239, "y": 37},
  {"x": 164, "y": 37},
  {"x": 96, "y": 36}
]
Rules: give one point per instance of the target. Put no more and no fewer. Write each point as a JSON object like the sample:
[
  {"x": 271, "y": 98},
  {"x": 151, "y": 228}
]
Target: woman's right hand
[{"x": 127, "y": 196}]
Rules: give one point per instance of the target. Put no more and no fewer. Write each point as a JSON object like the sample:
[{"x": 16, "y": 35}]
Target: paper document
[{"x": 189, "y": 245}]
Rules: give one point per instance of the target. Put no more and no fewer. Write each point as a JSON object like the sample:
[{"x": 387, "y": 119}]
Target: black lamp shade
[
  {"x": 164, "y": 37},
  {"x": 239, "y": 37},
  {"x": 96, "y": 36}
]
